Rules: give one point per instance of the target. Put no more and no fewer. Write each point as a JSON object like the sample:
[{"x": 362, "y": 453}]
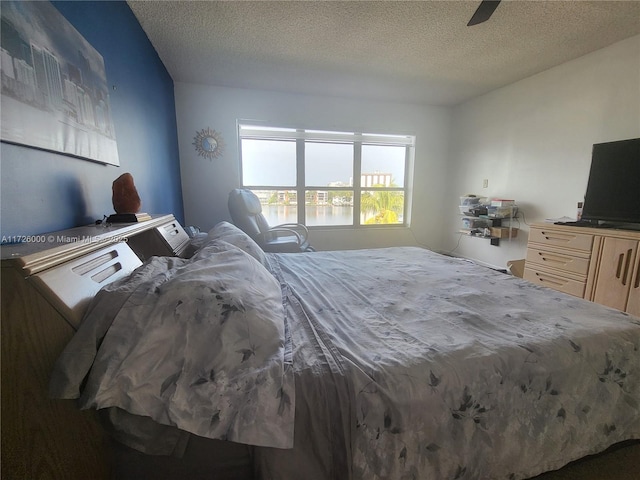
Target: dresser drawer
[
  {"x": 562, "y": 283},
  {"x": 174, "y": 235},
  {"x": 167, "y": 240},
  {"x": 70, "y": 286},
  {"x": 565, "y": 239},
  {"x": 556, "y": 258}
]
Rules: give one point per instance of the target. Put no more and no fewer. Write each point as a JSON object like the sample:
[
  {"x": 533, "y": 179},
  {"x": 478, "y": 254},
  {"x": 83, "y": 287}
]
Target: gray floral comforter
[
  {"x": 455, "y": 371},
  {"x": 398, "y": 363}
]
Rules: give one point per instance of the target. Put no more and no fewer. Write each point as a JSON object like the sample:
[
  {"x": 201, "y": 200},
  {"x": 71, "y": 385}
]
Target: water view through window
[
  {"x": 316, "y": 215},
  {"x": 336, "y": 178}
]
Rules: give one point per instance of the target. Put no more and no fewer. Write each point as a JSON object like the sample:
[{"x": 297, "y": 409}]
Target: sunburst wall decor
[{"x": 208, "y": 143}]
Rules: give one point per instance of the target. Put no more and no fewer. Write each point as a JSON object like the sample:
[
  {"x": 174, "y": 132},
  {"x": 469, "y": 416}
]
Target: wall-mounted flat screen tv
[{"x": 613, "y": 190}]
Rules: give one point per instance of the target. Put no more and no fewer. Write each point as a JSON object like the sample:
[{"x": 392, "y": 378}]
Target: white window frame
[{"x": 257, "y": 131}]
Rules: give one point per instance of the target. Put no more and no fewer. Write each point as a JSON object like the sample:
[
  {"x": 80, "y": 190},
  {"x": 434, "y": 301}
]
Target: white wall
[
  {"x": 532, "y": 140},
  {"x": 206, "y": 183}
]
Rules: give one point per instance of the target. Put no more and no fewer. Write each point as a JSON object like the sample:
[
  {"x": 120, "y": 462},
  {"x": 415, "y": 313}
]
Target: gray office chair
[{"x": 246, "y": 213}]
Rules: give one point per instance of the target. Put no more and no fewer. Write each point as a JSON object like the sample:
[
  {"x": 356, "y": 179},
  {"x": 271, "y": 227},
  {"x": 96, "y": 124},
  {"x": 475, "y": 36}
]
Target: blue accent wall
[{"x": 42, "y": 191}]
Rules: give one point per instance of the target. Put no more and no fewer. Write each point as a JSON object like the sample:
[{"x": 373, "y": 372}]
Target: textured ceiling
[{"x": 420, "y": 51}]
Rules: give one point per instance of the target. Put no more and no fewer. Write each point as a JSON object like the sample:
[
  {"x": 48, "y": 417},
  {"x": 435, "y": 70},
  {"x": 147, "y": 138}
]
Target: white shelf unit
[{"x": 490, "y": 222}]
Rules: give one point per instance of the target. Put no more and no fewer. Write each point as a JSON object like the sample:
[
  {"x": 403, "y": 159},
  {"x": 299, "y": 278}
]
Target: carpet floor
[{"x": 620, "y": 462}]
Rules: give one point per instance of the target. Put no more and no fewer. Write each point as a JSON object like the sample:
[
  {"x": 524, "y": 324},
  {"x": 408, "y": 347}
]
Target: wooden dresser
[
  {"x": 47, "y": 282},
  {"x": 597, "y": 264}
]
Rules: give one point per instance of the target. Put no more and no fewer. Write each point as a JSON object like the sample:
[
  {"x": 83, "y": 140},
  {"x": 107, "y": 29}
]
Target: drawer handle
[
  {"x": 624, "y": 259},
  {"x": 94, "y": 263},
  {"x": 555, "y": 259},
  {"x": 551, "y": 280},
  {"x": 108, "y": 272},
  {"x": 627, "y": 264},
  {"x": 558, "y": 237},
  {"x": 619, "y": 269},
  {"x": 171, "y": 229}
]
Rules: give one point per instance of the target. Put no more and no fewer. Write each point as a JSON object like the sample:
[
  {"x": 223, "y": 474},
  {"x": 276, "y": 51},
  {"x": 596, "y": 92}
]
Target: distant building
[{"x": 376, "y": 178}]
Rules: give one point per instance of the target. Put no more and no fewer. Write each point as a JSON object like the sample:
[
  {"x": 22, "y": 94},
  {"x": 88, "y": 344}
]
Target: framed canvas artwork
[{"x": 55, "y": 94}]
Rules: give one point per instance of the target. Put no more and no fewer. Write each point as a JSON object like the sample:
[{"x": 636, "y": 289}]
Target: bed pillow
[
  {"x": 230, "y": 233},
  {"x": 196, "y": 344}
]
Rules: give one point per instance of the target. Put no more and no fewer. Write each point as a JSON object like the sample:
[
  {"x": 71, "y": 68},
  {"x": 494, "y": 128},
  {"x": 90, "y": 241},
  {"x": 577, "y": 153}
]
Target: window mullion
[
  {"x": 407, "y": 156},
  {"x": 357, "y": 188},
  {"x": 300, "y": 181},
  {"x": 240, "y": 167}
]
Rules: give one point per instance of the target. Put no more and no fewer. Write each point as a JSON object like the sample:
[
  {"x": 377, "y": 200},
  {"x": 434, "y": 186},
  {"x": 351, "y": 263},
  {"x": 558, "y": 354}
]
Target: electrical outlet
[{"x": 485, "y": 183}]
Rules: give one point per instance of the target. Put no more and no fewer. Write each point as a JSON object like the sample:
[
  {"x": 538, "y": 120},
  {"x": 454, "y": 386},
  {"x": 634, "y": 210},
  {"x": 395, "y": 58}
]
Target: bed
[{"x": 392, "y": 363}]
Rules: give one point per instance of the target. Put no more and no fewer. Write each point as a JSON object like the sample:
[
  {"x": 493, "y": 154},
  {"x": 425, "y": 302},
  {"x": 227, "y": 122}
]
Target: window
[{"x": 325, "y": 178}]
